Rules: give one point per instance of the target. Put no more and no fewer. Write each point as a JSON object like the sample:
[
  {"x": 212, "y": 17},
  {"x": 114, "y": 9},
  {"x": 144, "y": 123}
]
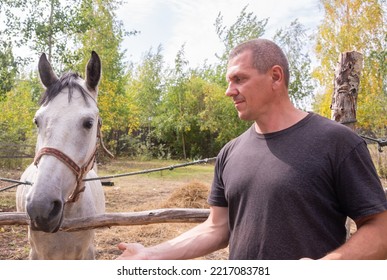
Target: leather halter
[{"x": 75, "y": 168}]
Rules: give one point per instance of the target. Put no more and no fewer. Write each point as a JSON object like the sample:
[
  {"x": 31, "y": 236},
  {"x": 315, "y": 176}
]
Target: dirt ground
[{"x": 184, "y": 187}]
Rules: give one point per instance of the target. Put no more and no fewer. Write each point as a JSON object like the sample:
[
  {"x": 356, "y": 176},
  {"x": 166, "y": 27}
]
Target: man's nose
[{"x": 231, "y": 90}]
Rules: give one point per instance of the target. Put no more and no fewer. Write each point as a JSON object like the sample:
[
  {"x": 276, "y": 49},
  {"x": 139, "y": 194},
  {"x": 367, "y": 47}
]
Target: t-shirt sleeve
[
  {"x": 217, "y": 195},
  {"x": 358, "y": 186}
]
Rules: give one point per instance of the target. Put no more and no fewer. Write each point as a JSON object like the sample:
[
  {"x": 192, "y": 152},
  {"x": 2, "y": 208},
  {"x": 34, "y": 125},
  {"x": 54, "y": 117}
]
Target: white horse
[{"x": 68, "y": 128}]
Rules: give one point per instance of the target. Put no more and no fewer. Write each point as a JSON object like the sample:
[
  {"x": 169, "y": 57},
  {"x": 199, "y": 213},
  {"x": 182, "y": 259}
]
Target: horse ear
[
  {"x": 93, "y": 71},
  {"x": 47, "y": 75}
]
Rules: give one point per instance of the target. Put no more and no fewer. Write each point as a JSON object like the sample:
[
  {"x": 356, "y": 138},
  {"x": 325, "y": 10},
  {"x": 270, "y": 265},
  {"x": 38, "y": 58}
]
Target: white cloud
[
  {"x": 173, "y": 23},
  {"x": 134, "y": 11}
]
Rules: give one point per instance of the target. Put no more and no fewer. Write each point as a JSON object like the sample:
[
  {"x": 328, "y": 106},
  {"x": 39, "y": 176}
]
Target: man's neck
[{"x": 279, "y": 121}]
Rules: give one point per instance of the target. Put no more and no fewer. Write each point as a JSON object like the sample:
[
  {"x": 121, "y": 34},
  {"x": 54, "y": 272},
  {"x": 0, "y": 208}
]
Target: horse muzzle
[{"x": 45, "y": 216}]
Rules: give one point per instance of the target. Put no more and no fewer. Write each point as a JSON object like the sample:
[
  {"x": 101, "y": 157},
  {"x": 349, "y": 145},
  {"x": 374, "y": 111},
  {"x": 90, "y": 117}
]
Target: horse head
[{"x": 68, "y": 125}]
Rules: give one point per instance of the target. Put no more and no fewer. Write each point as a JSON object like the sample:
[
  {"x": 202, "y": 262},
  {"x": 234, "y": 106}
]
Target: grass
[{"x": 123, "y": 165}]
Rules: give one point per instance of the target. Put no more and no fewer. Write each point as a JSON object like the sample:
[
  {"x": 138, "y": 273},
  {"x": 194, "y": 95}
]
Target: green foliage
[
  {"x": 175, "y": 118},
  {"x": 49, "y": 26},
  {"x": 17, "y": 112},
  {"x": 117, "y": 108},
  {"x": 68, "y": 30},
  {"x": 8, "y": 69},
  {"x": 152, "y": 111},
  {"x": 372, "y": 107},
  {"x": 292, "y": 40},
  {"x": 247, "y": 26},
  {"x": 355, "y": 25},
  {"x": 146, "y": 87}
]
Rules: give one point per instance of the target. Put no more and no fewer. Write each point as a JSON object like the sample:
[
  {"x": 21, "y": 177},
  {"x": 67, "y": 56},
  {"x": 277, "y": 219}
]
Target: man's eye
[{"x": 237, "y": 79}]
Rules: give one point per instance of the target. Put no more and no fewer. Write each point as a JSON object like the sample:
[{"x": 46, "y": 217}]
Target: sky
[{"x": 172, "y": 23}]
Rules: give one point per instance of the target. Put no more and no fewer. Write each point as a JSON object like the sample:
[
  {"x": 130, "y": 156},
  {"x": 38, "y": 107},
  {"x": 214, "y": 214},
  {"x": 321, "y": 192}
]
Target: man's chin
[{"x": 244, "y": 117}]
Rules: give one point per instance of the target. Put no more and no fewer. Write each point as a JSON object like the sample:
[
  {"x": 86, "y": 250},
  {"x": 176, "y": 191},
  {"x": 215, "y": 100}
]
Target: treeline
[{"x": 175, "y": 111}]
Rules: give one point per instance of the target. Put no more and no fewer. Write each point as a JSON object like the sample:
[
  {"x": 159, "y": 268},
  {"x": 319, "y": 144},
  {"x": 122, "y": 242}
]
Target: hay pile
[{"x": 191, "y": 195}]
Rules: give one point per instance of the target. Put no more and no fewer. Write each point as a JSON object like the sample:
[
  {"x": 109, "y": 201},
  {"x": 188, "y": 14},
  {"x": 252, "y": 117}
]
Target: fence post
[
  {"x": 346, "y": 86},
  {"x": 344, "y": 98}
]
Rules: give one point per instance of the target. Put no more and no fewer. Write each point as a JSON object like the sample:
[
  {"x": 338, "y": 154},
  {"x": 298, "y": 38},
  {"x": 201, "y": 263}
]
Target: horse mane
[{"x": 68, "y": 80}]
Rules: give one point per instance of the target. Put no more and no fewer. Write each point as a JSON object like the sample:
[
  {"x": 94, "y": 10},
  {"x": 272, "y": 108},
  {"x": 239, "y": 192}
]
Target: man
[{"x": 283, "y": 189}]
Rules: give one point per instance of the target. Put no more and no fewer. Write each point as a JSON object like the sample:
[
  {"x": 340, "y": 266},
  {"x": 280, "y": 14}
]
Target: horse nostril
[
  {"x": 56, "y": 208},
  {"x": 45, "y": 216}
]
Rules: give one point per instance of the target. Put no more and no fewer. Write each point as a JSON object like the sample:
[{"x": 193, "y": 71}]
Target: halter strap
[
  {"x": 77, "y": 170},
  {"x": 59, "y": 155}
]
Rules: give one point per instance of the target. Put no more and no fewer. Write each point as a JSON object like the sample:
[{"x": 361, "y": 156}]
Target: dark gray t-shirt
[{"x": 289, "y": 192}]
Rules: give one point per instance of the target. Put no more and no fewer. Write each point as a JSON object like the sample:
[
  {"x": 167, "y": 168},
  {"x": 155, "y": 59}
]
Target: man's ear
[{"x": 277, "y": 75}]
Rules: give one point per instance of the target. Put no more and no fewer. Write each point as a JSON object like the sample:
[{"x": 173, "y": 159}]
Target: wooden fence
[
  {"x": 168, "y": 215},
  {"x": 13, "y": 151}
]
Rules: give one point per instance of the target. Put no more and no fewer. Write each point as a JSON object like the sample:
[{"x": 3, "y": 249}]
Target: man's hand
[{"x": 132, "y": 251}]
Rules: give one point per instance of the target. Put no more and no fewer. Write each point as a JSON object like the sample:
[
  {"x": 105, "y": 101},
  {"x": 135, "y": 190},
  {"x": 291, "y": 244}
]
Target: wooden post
[
  {"x": 347, "y": 79},
  {"x": 344, "y": 99}
]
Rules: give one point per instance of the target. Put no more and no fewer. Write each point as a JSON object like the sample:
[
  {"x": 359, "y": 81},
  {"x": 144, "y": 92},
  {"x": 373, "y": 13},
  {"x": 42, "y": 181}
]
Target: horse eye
[
  {"x": 88, "y": 124},
  {"x": 36, "y": 122}
]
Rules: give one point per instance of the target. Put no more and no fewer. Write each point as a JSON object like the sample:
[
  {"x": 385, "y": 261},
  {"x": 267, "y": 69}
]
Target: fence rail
[
  {"x": 12, "y": 150},
  {"x": 168, "y": 215}
]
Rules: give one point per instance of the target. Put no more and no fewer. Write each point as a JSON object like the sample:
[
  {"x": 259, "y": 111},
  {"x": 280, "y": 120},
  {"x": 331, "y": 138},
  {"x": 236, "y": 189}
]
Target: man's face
[{"x": 249, "y": 89}]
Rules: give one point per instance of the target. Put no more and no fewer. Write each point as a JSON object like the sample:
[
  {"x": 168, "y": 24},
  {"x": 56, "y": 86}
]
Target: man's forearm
[
  {"x": 199, "y": 241},
  {"x": 209, "y": 236},
  {"x": 368, "y": 243}
]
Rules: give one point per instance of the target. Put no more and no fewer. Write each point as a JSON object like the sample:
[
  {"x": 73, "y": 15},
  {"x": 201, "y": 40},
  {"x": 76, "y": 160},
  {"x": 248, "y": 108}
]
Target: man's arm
[
  {"x": 368, "y": 242},
  {"x": 207, "y": 237}
]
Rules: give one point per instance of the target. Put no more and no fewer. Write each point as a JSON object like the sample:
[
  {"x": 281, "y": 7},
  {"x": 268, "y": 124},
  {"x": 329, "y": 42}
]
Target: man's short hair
[{"x": 265, "y": 55}]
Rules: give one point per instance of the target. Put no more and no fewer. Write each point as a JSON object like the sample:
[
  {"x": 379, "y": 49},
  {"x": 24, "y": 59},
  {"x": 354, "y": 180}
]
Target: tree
[
  {"x": 354, "y": 25},
  {"x": 17, "y": 112},
  {"x": 68, "y": 30},
  {"x": 173, "y": 119},
  {"x": 373, "y": 107},
  {"x": 292, "y": 40},
  {"x": 147, "y": 86},
  {"x": 117, "y": 107},
  {"x": 246, "y": 27},
  {"x": 8, "y": 69},
  {"x": 49, "y": 26}
]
